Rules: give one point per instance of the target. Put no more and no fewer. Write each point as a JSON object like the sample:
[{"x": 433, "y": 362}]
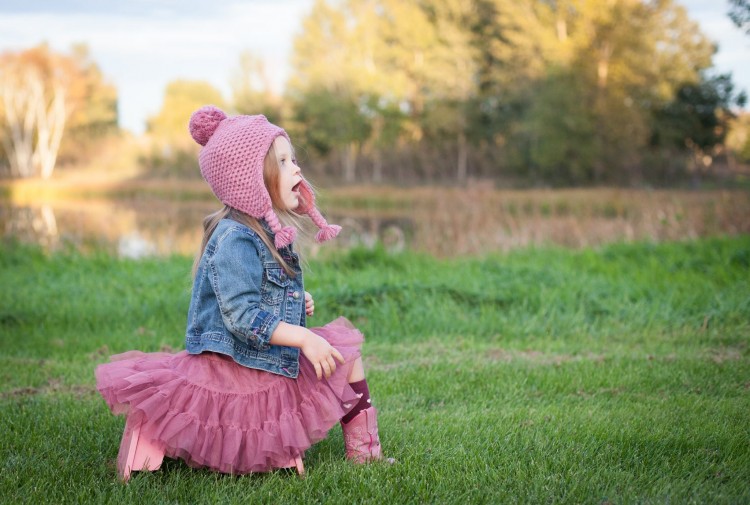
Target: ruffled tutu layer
[{"x": 212, "y": 412}]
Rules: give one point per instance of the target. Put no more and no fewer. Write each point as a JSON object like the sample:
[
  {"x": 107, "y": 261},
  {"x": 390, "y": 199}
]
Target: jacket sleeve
[{"x": 236, "y": 277}]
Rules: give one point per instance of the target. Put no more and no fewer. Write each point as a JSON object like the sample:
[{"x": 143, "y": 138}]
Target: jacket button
[{"x": 295, "y": 294}]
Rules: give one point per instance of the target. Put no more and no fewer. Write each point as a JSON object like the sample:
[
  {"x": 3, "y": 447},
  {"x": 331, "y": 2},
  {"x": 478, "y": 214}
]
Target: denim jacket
[{"x": 240, "y": 295}]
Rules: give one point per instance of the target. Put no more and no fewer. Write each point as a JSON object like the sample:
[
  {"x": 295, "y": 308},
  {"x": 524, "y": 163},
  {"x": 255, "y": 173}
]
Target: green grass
[{"x": 614, "y": 375}]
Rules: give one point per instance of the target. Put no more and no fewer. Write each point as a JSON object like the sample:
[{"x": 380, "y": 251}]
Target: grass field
[{"x": 612, "y": 375}]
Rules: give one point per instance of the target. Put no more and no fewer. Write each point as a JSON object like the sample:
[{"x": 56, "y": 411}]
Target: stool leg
[
  {"x": 300, "y": 466},
  {"x": 296, "y": 463},
  {"x": 137, "y": 453}
]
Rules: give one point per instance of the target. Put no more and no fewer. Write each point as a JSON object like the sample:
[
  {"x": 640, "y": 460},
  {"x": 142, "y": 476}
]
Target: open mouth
[{"x": 296, "y": 187}]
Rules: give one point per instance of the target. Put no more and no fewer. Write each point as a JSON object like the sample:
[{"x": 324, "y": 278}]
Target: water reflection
[
  {"x": 37, "y": 225},
  {"x": 369, "y": 231},
  {"x": 159, "y": 228},
  {"x": 439, "y": 222},
  {"x": 123, "y": 228},
  {"x": 134, "y": 245}
]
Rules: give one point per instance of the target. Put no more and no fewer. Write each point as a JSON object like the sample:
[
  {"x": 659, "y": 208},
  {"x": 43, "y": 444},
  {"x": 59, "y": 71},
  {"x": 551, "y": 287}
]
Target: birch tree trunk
[
  {"x": 50, "y": 125},
  {"x": 18, "y": 141},
  {"x": 34, "y": 124}
]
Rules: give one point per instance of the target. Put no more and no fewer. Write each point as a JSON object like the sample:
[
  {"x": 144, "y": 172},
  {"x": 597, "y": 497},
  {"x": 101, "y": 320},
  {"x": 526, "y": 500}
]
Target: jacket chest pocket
[{"x": 275, "y": 285}]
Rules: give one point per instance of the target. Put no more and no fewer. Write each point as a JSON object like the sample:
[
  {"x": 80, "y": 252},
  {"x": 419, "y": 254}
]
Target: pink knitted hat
[{"x": 231, "y": 161}]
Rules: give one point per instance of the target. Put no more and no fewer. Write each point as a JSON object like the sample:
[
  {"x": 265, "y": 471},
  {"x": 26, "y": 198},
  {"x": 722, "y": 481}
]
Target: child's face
[{"x": 289, "y": 174}]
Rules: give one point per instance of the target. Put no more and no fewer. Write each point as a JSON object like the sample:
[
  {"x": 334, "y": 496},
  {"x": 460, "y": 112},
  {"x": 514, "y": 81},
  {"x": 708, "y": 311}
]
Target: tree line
[
  {"x": 561, "y": 91},
  {"x": 528, "y": 91}
]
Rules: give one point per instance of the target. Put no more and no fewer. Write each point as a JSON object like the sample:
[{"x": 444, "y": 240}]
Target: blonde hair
[{"x": 271, "y": 177}]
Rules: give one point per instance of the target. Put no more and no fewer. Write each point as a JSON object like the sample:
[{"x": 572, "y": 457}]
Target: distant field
[
  {"x": 137, "y": 218},
  {"x": 612, "y": 375}
]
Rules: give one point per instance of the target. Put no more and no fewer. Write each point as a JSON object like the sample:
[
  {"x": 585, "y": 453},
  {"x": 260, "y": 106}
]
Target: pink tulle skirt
[{"x": 214, "y": 413}]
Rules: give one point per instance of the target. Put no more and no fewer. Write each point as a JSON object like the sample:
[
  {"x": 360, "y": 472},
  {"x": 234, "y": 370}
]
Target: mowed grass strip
[{"x": 617, "y": 375}]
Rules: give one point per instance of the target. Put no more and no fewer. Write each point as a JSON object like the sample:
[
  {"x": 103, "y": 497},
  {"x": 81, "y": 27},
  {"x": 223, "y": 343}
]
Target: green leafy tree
[
  {"x": 698, "y": 118},
  {"x": 739, "y": 13},
  {"x": 452, "y": 76},
  {"x": 391, "y": 58},
  {"x": 560, "y": 128},
  {"x": 623, "y": 57},
  {"x": 95, "y": 115},
  {"x": 333, "y": 80},
  {"x": 181, "y": 99},
  {"x": 172, "y": 150},
  {"x": 518, "y": 42},
  {"x": 564, "y": 90},
  {"x": 738, "y": 137},
  {"x": 334, "y": 123}
]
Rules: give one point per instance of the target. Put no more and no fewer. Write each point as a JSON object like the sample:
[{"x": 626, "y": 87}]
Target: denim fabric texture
[{"x": 240, "y": 295}]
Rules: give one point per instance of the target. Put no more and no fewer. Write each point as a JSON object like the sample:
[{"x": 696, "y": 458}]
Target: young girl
[{"x": 255, "y": 388}]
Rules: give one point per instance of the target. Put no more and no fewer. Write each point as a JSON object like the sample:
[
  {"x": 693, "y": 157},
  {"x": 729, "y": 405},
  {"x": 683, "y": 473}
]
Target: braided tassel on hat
[
  {"x": 327, "y": 231},
  {"x": 307, "y": 206},
  {"x": 283, "y": 235}
]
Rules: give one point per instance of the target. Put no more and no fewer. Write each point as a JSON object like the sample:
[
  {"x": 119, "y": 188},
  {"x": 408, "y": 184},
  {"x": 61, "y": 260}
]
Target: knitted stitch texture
[{"x": 231, "y": 162}]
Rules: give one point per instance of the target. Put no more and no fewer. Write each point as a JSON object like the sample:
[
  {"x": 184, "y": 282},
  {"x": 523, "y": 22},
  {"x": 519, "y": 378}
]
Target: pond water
[{"x": 442, "y": 222}]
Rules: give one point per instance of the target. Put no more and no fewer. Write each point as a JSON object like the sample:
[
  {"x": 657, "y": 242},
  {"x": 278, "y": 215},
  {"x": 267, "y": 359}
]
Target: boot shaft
[{"x": 361, "y": 437}]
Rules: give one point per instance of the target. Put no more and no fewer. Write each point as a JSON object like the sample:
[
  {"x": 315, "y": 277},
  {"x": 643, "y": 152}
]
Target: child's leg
[
  {"x": 359, "y": 384},
  {"x": 360, "y": 425},
  {"x": 357, "y": 372}
]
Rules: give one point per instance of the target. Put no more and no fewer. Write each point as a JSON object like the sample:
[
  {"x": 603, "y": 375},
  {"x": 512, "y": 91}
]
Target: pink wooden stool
[{"x": 137, "y": 453}]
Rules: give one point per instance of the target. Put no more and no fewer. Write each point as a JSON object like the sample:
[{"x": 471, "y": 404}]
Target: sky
[{"x": 141, "y": 45}]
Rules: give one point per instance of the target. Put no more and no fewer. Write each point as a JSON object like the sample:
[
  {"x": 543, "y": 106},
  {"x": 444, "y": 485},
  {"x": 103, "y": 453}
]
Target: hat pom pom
[
  {"x": 328, "y": 232},
  {"x": 285, "y": 236},
  {"x": 204, "y": 121}
]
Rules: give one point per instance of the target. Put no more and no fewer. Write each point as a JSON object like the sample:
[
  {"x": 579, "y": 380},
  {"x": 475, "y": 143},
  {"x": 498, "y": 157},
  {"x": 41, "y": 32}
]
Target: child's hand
[
  {"x": 321, "y": 354},
  {"x": 309, "y": 304}
]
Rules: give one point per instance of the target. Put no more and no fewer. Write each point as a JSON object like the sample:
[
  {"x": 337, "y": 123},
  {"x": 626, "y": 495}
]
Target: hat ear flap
[{"x": 307, "y": 198}]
